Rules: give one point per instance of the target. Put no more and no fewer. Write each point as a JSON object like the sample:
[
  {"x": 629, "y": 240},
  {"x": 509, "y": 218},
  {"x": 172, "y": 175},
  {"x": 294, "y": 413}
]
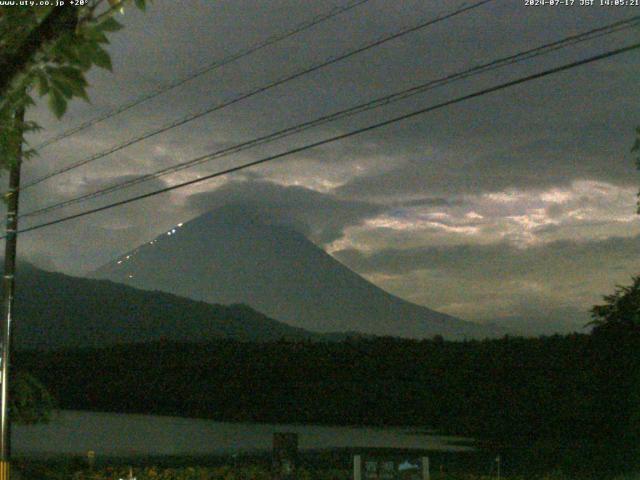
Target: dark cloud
[
  {"x": 535, "y": 159},
  {"x": 530, "y": 136},
  {"x": 537, "y": 290},
  {"x": 323, "y": 217},
  {"x": 319, "y": 216},
  {"x": 499, "y": 261}
]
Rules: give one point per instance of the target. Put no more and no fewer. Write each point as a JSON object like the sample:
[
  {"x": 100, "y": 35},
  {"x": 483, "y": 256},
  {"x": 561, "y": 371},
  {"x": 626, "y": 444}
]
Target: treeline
[{"x": 571, "y": 391}]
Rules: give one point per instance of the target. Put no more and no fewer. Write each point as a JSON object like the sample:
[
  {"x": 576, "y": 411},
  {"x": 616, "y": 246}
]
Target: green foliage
[
  {"x": 617, "y": 338},
  {"x": 621, "y": 310},
  {"x": 59, "y": 68},
  {"x": 30, "y": 401}
]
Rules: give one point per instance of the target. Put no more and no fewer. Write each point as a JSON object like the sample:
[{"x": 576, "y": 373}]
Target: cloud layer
[{"x": 517, "y": 206}]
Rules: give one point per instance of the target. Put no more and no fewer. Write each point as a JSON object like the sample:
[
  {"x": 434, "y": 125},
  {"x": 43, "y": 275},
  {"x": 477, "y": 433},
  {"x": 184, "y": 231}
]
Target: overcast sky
[{"x": 516, "y": 207}]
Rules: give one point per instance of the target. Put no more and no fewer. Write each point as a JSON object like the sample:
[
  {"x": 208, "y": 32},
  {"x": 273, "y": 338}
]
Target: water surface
[{"x": 110, "y": 434}]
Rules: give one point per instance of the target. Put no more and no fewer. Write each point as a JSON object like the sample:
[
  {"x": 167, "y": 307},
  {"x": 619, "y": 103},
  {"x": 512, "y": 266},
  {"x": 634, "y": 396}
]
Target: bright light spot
[
  {"x": 502, "y": 197},
  {"x": 578, "y": 214},
  {"x": 180, "y": 224},
  {"x": 119, "y": 262},
  {"x": 556, "y": 196},
  {"x": 464, "y": 230},
  {"x": 413, "y": 225}
]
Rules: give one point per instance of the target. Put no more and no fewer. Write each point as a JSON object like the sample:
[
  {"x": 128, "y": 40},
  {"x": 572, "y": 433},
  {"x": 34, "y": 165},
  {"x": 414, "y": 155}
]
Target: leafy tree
[
  {"x": 616, "y": 342},
  {"x": 621, "y": 310},
  {"x": 49, "y": 50}
]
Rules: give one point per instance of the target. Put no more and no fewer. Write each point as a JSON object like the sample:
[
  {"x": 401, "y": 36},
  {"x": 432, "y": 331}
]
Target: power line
[
  {"x": 385, "y": 100},
  {"x": 254, "y": 92},
  {"x": 336, "y": 138},
  {"x": 206, "y": 69},
  {"x": 591, "y": 34}
]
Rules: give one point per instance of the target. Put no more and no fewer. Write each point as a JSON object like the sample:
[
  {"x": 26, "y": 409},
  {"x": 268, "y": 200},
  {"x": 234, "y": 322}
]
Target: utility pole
[{"x": 8, "y": 288}]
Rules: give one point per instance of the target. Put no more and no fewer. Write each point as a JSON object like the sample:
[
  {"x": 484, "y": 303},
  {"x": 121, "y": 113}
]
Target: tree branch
[{"x": 59, "y": 21}]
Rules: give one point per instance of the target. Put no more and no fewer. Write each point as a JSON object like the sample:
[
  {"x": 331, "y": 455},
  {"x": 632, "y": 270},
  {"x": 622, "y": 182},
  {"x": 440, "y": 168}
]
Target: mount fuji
[{"x": 231, "y": 255}]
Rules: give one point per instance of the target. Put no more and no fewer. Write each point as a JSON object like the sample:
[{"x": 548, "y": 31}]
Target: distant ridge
[
  {"x": 232, "y": 255},
  {"x": 59, "y": 311}
]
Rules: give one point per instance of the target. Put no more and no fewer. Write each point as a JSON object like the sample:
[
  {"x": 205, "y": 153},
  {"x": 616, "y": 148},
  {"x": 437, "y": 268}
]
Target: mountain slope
[
  {"x": 231, "y": 256},
  {"x": 55, "y": 310}
]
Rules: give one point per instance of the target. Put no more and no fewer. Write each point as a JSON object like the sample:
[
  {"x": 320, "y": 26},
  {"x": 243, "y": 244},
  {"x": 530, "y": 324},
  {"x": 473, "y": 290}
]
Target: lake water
[{"x": 110, "y": 434}]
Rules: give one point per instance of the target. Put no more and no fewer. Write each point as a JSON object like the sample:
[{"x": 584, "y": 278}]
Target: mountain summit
[{"x": 230, "y": 255}]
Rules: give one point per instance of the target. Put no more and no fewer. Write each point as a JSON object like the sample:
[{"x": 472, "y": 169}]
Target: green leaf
[
  {"x": 28, "y": 101},
  {"x": 62, "y": 87},
  {"x": 57, "y": 103},
  {"x": 72, "y": 74},
  {"x": 42, "y": 83},
  {"x": 141, "y": 4},
  {"x": 78, "y": 90},
  {"x": 70, "y": 81},
  {"x": 82, "y": 93},
  {"x": 96, "y": 35},
  {"x": 31, "y": 126},
  {"x": 109, "y": 25},
  {"x": 65, "y": 47},
  {"x": 102, "y": 59},
  {"x": 84, "y": 55}
]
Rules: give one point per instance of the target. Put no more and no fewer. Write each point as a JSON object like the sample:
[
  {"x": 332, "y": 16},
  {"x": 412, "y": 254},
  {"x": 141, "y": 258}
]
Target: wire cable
[
  {"x": 203, "y": 70},
  {"x": 343, "y": 136},
  {"x": 264, "y": 88},
  {"x": 376, "y": 103}
]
